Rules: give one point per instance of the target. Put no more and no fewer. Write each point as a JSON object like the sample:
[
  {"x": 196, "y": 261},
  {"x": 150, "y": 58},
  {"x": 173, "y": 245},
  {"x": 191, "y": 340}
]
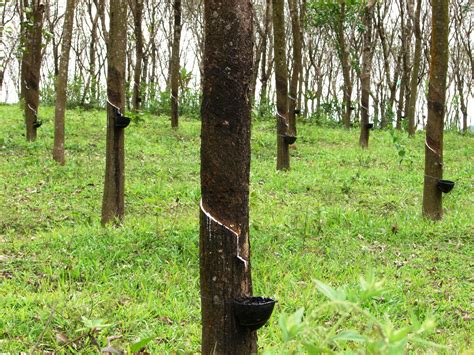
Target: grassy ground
[{"x": 339, "y": 212}]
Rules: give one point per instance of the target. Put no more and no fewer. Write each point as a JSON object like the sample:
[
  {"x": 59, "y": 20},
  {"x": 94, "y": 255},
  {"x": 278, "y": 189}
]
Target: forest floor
[{"x": 67, "y": 284}]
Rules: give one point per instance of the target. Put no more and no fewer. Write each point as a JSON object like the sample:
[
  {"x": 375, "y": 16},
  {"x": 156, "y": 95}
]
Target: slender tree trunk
[
  {"x": 344, "y": 58},
  {"x": 365, "y": 75},
  {"x": 267, "y": 59},
  {"x": 401, "y": 100},
  {"x": 297, "y": 65},
  {"x": 432, "y": 199},
  {"x": 137, "y": 73},
  {"x": 462, "y": 101},
  {"x": 225, "y": 170},
  {"x": 114, "y": 185},
  {"x": 281, "y": 82},
  {"x": 175, "y": 64},
  {"x": 415, "y": 72},
  {"x": 31, "y": 64},
  {"x": 61, "y": 84}
]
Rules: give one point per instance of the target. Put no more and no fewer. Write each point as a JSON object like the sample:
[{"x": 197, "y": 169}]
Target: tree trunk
[
  {"x": 137, "y": 73},
  {"x": 32, "y": 30},
  {"x": 114, "y": 185},
  {"x": 61, "y": 84},
  {"x": 297, "y": 65},
  {"x": 415, "y": 72},
  {"x": 462, "y": 101},
  {"x": 281, "y": 83},
  {"x": 432, "y": 199},
  {"x": 365, "y": 75},
  {"x": 175, "y": 64},
  {"x": 345, "y": 63},
  {"x": 225, "y": 170},
  {"x": 267, "y": 59}
]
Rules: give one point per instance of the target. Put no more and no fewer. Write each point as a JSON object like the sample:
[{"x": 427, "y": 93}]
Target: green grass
[{"x": 339, "y": 212}]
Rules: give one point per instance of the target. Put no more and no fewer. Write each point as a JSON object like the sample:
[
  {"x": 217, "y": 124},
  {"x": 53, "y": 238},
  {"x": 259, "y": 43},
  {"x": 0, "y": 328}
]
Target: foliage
[
  {"x": 142, "y": 279},
  {"x": 344, "y": 322},
  {"x": 325, "y": 13},
  {"x": 328, "y": 115}
]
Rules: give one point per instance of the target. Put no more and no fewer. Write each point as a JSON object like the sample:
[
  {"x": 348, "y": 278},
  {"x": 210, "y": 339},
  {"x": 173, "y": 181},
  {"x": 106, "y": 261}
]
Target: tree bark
[
  {"x": 343, "y": 52},
  {"x": 297, "y": 64},
  {"x": 32, "y": 35},
  {"x": 225, "y": 171},
  {"x": 365, "y": 75},
  {"x": 281, "y": 83},
  {"x": 415, "y": 72},
  {"x": 432, "y": 198},
  {"x": 267, "y": 59},
  {"x": 175, "y": 64},
  {"x": 137, "y": 73},
  {"x": 114, "y": 184},
  {"x": 61, "y": 84}
]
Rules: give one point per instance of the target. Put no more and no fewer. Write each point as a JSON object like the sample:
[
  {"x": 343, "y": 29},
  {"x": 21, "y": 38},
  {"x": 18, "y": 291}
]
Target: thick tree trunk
[
  {"x": 225, "y": 170},
  {"x": 297, "y": 65},
  {"x": 175, "y": 64},
  {"x": 415, "y": 72},
  {"x": 114, "y": 184},
  {"x": 432, "y": 199},
  {"x": 281, "y": 83},
  {"x": 137, "y": 73},
  {"x": 61, "y": 84},
  {"x": 32, "y": 33},
  {"x": 365, "y": 75}
]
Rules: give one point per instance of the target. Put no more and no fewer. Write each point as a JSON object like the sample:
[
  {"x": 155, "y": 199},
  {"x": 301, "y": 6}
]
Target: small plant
[
  {"x": 399, "y": 146},
  {"x": 345, "y": 323}
]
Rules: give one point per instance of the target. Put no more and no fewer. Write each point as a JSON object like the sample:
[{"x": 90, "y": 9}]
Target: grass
[{"x": 339, "y": 212}]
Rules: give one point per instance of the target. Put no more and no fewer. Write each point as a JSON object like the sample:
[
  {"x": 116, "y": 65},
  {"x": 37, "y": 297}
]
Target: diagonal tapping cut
[{"x": 235, "y": 233}]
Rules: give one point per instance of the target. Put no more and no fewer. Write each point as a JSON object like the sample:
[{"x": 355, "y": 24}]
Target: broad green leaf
[
  {"x": 137, "y": 346},
  {"x": 329, "y": 292},
  {"x": 350, "y": 335}
]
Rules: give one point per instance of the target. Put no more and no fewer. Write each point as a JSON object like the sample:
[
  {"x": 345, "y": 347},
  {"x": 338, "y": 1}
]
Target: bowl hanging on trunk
[{"x": 253, "y": 312}]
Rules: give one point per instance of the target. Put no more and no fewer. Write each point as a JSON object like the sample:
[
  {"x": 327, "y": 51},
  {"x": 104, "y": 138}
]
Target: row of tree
[
  {"x": 331, "y": 47},
  {"x": 231, "y": 53}
]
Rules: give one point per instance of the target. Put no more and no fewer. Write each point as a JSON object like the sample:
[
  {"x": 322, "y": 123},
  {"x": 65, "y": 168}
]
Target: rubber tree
[
  {"x": 174, "y": 64},
  {"x": 297, "y": 36},
  {"x": 61, "y": 84},
  {"x": 344, "y": 57},
  {"x": 267, "y": 58},
  {"x": 137, "y": 10},
  {"x": 415, "y": 71},
  {"x": 225, "y": 170},
  {"x": 114, "y": 184},
  {"x": 281, "y": 84},
  {"x": 31, "y": 37},
  {"x": 432, "y": 198},
  {"x": 367, "y": 53}
]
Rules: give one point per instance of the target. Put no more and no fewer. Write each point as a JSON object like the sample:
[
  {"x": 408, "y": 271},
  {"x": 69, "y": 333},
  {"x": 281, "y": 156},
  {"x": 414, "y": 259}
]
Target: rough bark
[
  {"x": 365, "y": 75},
  {"x": 225, "y": 169},
  {"x": 415, "y": 72},
  {"x": 281, "y": 83},
  {"x": 137, "y": 72},
  {"x": 114, "y": 184},
  {"x": 432, "y": 198},
  {"x": 175, "y": 64},
  {"x": 297, "y": 64},
  {"x": 61, "y": 84},
  {"x": 31, "y": 64}
]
